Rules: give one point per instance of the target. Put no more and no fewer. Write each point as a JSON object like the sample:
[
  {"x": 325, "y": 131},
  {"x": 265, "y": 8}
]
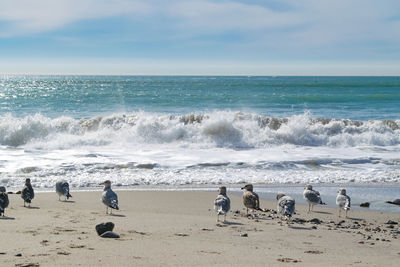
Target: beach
[{"x": 179, "y": 228}]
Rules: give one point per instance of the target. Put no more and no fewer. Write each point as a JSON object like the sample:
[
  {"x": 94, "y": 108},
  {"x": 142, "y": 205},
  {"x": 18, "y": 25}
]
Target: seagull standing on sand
[
  {"x": 286, "y": 206},
  {"x": 27, "y": 194},
  {"x": 222, "y": 203},
  {"x": 250, "y": 199},
  {"x": 313, "y": 197},
  {"x": 109, "y": 198},
  {"x": 343, "y": 201},
  {"x": 3, "y": 200},
  {"x": 62, "y": 189}
]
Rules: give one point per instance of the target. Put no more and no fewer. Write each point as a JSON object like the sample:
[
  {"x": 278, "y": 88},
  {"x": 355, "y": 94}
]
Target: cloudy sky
[{"x": 229, "y": 37}]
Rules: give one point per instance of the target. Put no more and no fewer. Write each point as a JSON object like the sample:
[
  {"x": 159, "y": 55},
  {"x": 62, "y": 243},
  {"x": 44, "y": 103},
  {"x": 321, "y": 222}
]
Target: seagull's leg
[
  {"x": 309, "y": 207},
  {"x": 346, "y": 213},
  {"x": 106, "y": 210},
  {"x": 247, "y": 211},
  {"x": 339, "y": 212},
  {"x": 24, "y": 203},
  {"x": 217, "y": 217},
  {"x": 59, "y": 199},
  {"x": 225, "y": 217},
  {"x": 110, "y": 210}
]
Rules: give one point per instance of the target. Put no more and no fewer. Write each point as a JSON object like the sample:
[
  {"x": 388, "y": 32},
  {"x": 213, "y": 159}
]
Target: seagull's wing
[
  {"x": 222, "y": 204},
  {"x": 312, "y": 196},
  {"x": 110, "y": 199}
]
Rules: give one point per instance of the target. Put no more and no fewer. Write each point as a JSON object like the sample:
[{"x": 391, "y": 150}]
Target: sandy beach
[{"x": 180, "y": 228}]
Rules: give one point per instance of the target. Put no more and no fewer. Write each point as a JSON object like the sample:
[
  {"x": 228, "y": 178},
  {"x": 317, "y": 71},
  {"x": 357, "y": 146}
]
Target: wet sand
[{"x": 179, "y": 228}]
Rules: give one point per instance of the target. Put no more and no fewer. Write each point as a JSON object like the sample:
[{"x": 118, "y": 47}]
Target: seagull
[
  {"x": 27, "y": 194},
  {"x": 250, "y": 199},
  {"x": 343, "y": 201},
  {"x": 3, "y": 200},
  {"x": 109, "y": 198},
  {"x": 62, "y": 189},
  {"x": 286, "y": 206},
  {"x": 313, "y": 197},
  {"x": 222, "y": 203}
]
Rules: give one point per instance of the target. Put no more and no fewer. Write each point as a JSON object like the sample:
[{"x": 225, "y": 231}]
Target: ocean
[{"x": 195, "y": 131}]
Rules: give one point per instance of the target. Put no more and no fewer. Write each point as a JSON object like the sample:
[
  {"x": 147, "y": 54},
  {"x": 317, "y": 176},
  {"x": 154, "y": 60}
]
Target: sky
[{"x": 200, "y": 37}]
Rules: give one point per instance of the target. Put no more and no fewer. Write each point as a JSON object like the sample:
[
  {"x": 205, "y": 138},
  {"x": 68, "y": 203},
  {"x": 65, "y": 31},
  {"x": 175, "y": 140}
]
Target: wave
[{"x": 215, "y": 129}]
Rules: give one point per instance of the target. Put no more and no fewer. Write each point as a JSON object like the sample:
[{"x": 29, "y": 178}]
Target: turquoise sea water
[
  {"x": 356, "y": 98},
  {"x": 201, "y": 131}
]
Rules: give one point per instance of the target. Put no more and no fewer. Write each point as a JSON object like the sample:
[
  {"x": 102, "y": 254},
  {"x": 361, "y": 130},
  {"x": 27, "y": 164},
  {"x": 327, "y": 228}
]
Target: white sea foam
[{"x": 218, "y": 147}]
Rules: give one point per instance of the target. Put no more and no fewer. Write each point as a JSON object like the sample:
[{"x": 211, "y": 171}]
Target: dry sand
[{"x": 180, "y": 229}]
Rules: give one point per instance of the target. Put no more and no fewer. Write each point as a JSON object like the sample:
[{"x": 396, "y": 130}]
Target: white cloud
[
  {"x": 27, "y": 16},
  {"x": 301, "y": 24}
]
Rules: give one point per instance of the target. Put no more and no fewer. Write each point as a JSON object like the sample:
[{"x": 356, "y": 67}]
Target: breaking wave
[{"x": 235, "y": 130}]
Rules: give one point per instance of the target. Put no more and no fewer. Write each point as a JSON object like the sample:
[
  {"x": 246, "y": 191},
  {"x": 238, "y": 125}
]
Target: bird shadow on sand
[
  {"x": 32, "y": 207},
  {"x": 354, "y": 219},
  {"x": 231, "y": 223},
  {"x": 322, "y": 212},
  {"x": 117, "y": 215},
  {"x": 67, "y": 201},
  {"x": 6, "y": 218},
  {"x": 300, "y": 228}
]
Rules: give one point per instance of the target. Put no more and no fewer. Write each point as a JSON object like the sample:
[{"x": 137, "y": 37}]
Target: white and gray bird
[
  {"x": 109, "y": 197},
  {"x": 343, "y": 201},
  {"x": 27, "y": 193},
  {"x": 250, "y": 199},
  {"x": 222, "y": 203},
  {"x": 313, "y": 197},
  {"x": 3, "y": 200},
  {"x": 62, "y": 189},
  {"x": 286, "y": 206}
]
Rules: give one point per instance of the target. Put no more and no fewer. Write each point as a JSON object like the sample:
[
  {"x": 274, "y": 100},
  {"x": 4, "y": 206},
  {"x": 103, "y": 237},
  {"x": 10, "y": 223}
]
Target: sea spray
[{"x": 218, "y": 129}]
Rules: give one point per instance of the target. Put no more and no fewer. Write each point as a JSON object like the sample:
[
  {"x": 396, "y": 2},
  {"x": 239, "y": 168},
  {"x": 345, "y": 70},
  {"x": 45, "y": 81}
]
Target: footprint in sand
[
  {"x": 181, "y": 234},
  {"x": 209, "y": 252},
  {"x": 27, "y": 264},
  {"x": 44, "y": 243},
  {"x": 76, "y": 246},
  {"x": 63, "y": 253},
  {"x": 313, "y": 252},
  {"x": 136, "y": 232},
  {"x": 288, "y": 260}
]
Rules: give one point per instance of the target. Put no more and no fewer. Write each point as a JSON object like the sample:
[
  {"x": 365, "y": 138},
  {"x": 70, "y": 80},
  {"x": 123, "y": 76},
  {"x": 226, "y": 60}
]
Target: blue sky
[{"x": 253, "y": 37}]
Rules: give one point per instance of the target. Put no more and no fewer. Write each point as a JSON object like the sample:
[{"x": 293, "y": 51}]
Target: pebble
[
  {"x": 391, "y": 222},
  {"x": 316, "y": 221},
  {"x": 110, "y": 234},
  {"x": 104, "y": 227},
  {"x": 244, "y": 235},
  {"x": 18, "y": 255}
]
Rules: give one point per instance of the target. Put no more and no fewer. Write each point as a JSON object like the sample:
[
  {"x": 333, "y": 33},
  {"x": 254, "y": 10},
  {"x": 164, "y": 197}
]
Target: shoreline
[
  {"x": 179, "y": 228},
  {"x": 268, "y": 192}
]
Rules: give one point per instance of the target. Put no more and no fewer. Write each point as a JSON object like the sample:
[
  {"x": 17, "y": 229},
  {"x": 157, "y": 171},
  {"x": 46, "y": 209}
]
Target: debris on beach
[
  {"x": 101, "y": 228},
  {"x": 110, "y": 234},
  {"x": 394, "y": 202}
]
